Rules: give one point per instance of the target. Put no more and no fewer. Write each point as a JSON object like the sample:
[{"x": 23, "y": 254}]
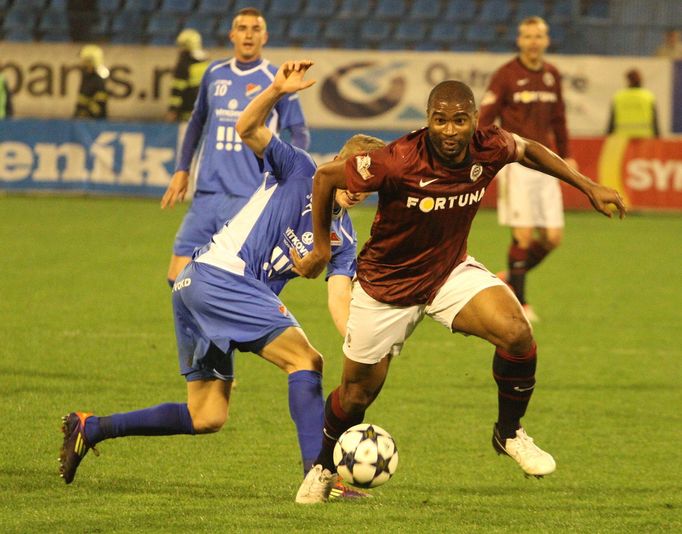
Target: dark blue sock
[
  {"x": 162, "y": 420},
  {"x": 306, "y": 406}
]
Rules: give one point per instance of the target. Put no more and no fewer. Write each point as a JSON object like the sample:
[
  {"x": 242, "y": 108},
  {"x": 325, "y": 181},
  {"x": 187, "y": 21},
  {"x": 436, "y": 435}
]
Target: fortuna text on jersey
[{"x": 427, "y": 204}]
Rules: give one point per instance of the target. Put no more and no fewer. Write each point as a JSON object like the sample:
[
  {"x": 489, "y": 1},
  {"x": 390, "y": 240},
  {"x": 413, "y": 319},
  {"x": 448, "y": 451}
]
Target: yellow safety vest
[
  {"x": 3, "y": 97},
  {"x": 633, "y": 112}
]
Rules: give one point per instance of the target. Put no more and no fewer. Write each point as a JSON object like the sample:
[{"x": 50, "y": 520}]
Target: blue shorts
[
  {"x": 217, "y": 312},
  {"x": 206, "y": 215}
]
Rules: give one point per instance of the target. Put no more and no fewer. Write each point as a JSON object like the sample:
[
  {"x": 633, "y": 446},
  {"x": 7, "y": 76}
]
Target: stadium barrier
[
  {"x": 355, "y": 90},
  {"x": 137, "y": 159}
]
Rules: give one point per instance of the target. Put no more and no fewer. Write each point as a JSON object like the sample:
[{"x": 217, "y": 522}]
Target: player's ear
[{"x": 266, "y": 36}]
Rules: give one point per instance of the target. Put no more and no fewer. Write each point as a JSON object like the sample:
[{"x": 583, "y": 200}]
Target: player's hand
[
  {"x": 289, "y": 77},
  {"x": 177, "y": 189},
  {"x": 604, "y": 198},
  {"x": 346, "y": 199},
  {"x": 311, "y": 265}
]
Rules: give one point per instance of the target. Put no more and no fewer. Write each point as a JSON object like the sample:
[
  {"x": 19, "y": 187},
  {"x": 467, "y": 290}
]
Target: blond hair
[{"x": 360, "y": 143}]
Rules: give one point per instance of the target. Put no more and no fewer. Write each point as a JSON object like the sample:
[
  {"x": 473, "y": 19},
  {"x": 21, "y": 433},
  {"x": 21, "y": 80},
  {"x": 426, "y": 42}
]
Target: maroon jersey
[
  {"x": 529, "y": 103},
  {"x": 419, "y": 234}
]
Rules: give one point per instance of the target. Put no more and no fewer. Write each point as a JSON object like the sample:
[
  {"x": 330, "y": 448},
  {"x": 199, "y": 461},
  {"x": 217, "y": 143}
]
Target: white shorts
[
  {"x": 376, "y": 329},
  {"x": 528, "y": 199}
]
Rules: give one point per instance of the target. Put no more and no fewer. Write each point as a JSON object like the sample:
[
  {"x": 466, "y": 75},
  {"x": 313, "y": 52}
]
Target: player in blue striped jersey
[
  {"x": 226, "y": 297},
  {"x": 227, "y": 172}
]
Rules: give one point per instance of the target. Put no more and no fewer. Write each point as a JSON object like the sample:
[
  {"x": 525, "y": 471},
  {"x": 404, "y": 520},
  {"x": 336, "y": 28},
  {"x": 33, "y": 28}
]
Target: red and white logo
[
  {"x": 252, "y": 89},
  {"x": 362, "y": 164}
]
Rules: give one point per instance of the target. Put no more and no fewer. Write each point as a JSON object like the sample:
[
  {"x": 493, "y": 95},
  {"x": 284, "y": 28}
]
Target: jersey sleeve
[
  {"x": 559, "y": 127},
  {"x": 369, "y": 171},
  {"x": 343, "y": 261},
  {"x": 195, "y": 126},
  {"x": 495, "y": 145},
  {"x": 286, "y": 161},
  {"x": 491, "y": 103}
]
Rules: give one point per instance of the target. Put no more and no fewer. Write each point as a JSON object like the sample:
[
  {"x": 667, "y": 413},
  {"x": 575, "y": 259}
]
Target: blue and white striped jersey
[
  {"x": 256, "y": 242},
  {"x": 225, "y": 164}
]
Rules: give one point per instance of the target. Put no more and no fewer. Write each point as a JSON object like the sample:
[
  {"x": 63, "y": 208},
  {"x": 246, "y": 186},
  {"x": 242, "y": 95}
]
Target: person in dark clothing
[
  {"x": 190, "y": 67},
  {"x": 6, "y": 109},
  {"x": 93, "y": 95}
]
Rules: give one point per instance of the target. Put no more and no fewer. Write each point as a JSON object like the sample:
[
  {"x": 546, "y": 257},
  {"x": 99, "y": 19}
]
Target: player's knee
[
  {"x": 307, "y": 359},
  {"x": 553, "y": 242},
  {"x": 208, "y": 423},
  {"x": 356, "y": 398},
  {"x": 518, "y": 336}
]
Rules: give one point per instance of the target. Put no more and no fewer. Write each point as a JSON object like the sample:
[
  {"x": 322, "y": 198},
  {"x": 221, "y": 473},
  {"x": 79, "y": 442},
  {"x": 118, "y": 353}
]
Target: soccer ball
[{"x": 365, "y": 456}]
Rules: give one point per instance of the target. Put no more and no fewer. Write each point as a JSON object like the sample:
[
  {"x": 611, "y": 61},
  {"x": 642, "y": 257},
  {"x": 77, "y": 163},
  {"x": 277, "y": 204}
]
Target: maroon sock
[
  {"x": 515, "y": 377},
  {"x": 536, "y": 253},
  {"x": 336, "y": 422},
  {"x": 517, "y": 265}
]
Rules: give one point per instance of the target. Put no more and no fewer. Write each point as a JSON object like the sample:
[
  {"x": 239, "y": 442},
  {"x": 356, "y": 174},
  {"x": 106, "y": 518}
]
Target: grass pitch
[{"x": 85, "y": 323}]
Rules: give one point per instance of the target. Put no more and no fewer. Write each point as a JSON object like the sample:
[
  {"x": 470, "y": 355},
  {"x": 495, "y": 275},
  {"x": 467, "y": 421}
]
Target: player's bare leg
[
  {"x": 208, "y": 402},
  {"x": 525, "y": 253},
  {"x": 292, "y": 352},
  {"x": 495, "y": 315},
  {"x": 205, "y": 412},
  {"x": 345, "y": 407}
]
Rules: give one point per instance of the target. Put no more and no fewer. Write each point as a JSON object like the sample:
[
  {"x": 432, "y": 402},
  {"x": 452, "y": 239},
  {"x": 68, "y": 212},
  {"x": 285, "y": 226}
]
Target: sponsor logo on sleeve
[{"x": 362, "y": 164}]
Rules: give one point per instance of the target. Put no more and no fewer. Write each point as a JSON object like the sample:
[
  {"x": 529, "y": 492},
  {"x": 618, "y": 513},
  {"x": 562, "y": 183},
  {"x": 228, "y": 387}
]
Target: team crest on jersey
[
  {"x": 362, "y": 164},
  {"x": 252, "y": 89},
  {"x": 283, "y": 310},
  {"x": 334, "y": 239},
  {"x": 307, "y": 238},
  {"x": 548, "y": 78},
  {"x": 476, "y": 171}
]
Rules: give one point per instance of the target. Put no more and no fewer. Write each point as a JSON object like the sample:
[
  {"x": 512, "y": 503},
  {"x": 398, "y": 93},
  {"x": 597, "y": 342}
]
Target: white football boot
[
  {"x": 532, "y": 459},
  {"x": 316, "y": 486}
]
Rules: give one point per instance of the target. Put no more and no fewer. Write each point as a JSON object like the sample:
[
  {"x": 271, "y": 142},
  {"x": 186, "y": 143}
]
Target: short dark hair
[
  {"x": 451, "y": 90},
  {"x": 249, "y": 12}
]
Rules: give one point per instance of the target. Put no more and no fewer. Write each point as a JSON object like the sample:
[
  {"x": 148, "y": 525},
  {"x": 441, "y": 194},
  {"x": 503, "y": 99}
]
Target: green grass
[{"x": 85, "y": 323}]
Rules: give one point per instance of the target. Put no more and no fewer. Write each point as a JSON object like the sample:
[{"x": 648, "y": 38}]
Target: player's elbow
[{"x": 244, "y": 129}]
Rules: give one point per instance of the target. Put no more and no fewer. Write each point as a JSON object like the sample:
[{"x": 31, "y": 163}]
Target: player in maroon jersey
[
  {"x": 415, "y": 263},
  {"x": 525, "y": 94}
]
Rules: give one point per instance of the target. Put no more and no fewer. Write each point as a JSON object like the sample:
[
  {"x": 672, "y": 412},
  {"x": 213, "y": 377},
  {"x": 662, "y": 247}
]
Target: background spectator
[
  {"x": 633, "y": 109},
  {"x": 92, "y": 96}
]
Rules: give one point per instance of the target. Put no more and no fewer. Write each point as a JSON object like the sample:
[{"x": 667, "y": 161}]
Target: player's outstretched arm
[
  {"x": 327, "y": 178},
  {"x": 251, "y": 124},
  {"x": 537, "y": 156}
]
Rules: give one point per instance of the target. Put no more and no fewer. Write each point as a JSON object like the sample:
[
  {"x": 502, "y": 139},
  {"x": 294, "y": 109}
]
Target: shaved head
[{"x": 452, "y": 92}]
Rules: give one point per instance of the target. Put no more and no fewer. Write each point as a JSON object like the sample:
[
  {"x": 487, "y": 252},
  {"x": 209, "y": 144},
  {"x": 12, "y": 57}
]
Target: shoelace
[
  {"x": 319, "y": 486},
  {"x": 526, "y": 443}
]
